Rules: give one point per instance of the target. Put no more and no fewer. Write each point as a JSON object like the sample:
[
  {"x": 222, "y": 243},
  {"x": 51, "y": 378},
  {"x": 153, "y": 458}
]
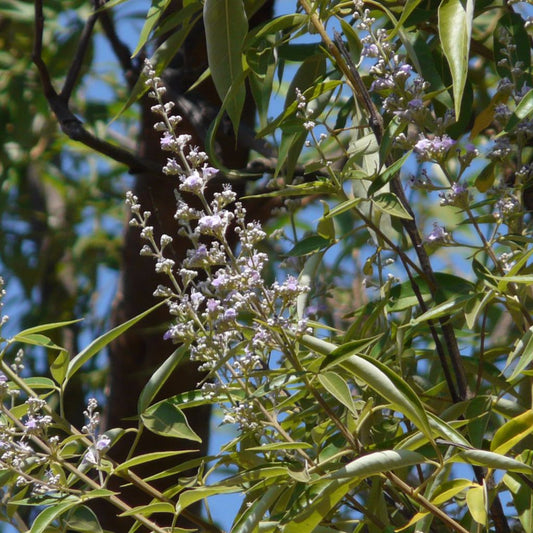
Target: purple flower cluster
[
  {"x": 458, "y": 196},
  {"x": 223, "y": 310},
  {"x": 435, "y": 149}
]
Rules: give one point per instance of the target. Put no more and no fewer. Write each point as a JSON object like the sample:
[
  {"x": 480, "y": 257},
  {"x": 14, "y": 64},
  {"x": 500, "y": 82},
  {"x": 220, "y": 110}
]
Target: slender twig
[
  {"x": 345, "y": 64},
  {"x": 130, "y": 68},
  {"x": 376, "y": 124},
  {"x": 433, "y": 509},
  {"x": 81, "y": 51},
  {"x": 59, "y": 103},
  {"x": 127, "y": 475}
]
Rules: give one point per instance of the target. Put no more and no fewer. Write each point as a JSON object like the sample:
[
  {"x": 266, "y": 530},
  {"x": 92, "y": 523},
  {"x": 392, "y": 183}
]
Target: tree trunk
[{"x": 136, "y": 354}]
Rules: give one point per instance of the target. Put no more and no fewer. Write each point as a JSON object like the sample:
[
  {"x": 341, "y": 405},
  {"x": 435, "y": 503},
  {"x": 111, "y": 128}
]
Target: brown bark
[{"x": 135, "y": 355}]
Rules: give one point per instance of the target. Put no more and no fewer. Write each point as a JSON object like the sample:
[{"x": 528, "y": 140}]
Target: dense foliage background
[{"x": 337, "y": 231}]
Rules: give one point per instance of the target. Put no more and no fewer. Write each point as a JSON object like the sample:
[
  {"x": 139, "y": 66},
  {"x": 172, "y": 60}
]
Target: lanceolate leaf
[
  {"x": 247, "y": 522},
  {"x": 338, "y": 388},
  {"x": 154, "y": 14},
  {"x": 392, "y": 387},
  {"x": 380, "y": 378},
  {"x": 389, "y": 203},
  {"x": 160, "y": 377},
  {"x": 407, "y": 10},
  {"x": 378, "y": 463},
  {"x": 319, "y": 507},
  {"x": 49, "y": 514},
  {"x": 165, "y": 418},
  {"x": 226, "y": 27},
  {"x": 102, "y": 341},
  {"x": 512, "y": 432},
  {"x": 491, "y": 460},
  {"x": 477, "y": 505},
  {"x": 455, "y": 31}
]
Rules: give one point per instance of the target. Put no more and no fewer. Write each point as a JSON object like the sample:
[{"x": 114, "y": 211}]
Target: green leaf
[
  {"x": 443, "y": 493},
  {"x": 485, "y": 179},
  {"x": 407, "y": 10},
  {"x": 226, "y": 27},
  {"x": 160, "y": 377},
  {"x": 337, "y": 354},
  {"x": 101, "y": 342},
  {"x": 59, "y": 367},
  {"x": 402, "y": 296},
  {"x": 150, "y": 508},
  {"x": 475, "y": 499},
  {"x": 490, "y": 460},
  {"x": 247, "y": 522},
  {"x": 35, "y": 339},
  {"x": 302, "y": 189},
  {"x": 387, "y": 202},
  {"x": 83, "y": 519},
  {"x": 380, "y": 378},
  {"x": 338, "y": 388},
  {"x": 279, "y": 24},
  {"x": 45, "y": 327},
  {"x": 325, "y": 227},
  {"x": 455, "y": 32},
  {"x": 522, "y": 499},
  {"x": 512, "y": 432},
  {"x": 392, "y": 387},
  {"x": 344, "y": 206},
  {"x": 165, "y": 418},
  {"x": 443, "y": 309},
  {"x": 40, "y": 383},
  {"x": 192, "y": 496},
  {"x": 152, "y": 18},
  {"x": 279, "y": 446},
  {"x": 147, "y": 457},
  {"x": 309, "y": 245},
  {"x": 318, "y": 508},
  {"x": 354, "y": 42},
  {"x": 377, "y": 463},
  {"x": 523, "y": 111},
  {"x": 523, "y": 350},
  {"x": 384, "y": 177},
  {"x": 48, "y": 515}
]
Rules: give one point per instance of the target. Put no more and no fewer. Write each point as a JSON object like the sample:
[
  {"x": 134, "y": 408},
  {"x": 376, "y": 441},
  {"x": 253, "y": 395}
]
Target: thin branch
[
  {"x": 122, "y": 52},
  {"x": 77, "y": 62},
  {"x": 376, "y": 124},
  {"x": 59, "y": 103}
]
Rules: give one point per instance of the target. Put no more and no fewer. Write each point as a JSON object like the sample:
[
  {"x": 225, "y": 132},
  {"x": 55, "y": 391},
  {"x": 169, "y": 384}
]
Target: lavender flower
[
  {"x": 438, "y": 235},
  {"x": 458, "y": 196},
  {"x": 216, "y": 294},
  {"x": 435, "y": 149}
]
